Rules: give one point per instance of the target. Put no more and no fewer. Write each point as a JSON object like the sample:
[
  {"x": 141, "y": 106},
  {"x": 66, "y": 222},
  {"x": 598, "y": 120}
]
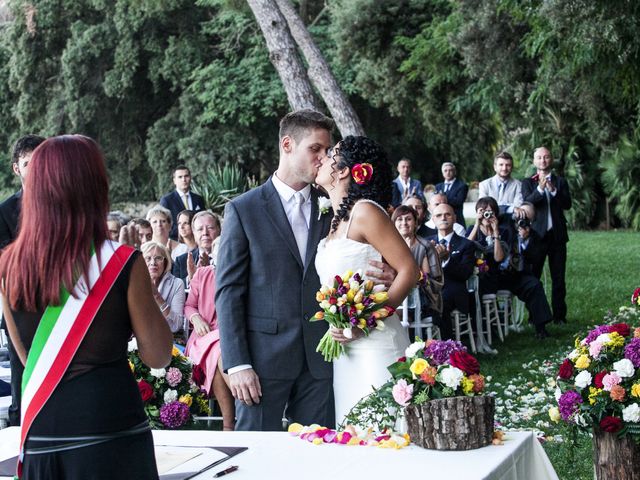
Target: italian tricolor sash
[{"x": 62, "y": 329}]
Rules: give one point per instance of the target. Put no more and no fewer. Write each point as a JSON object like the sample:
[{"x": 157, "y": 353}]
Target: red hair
[{"x": 64, "y": 207}]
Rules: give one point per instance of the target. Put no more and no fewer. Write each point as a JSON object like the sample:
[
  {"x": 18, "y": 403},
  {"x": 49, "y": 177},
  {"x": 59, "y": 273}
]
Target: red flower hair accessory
[{"x": 362, "y": 173}]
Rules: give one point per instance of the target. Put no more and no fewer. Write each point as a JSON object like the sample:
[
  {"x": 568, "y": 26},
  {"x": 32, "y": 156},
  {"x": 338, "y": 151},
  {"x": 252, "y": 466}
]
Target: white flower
[
  {"x": 574, "y": 354},
  {"x": 631, "y": 413},
  {"x": 624, "y": 368},
  {"x": 414, "y": 348},
  {"x": 170, "y": 396},
  {"x": 380, "y": 325},
  {"x": 324, "y": 205},
  {"x": 333, "y": 309},
  {"x": 581, "y": 420},
  {"x": 583, "y": 379},
  {"x": 158, "y": 372},
  {"x": 347, "y": 332},
  {"x": 558, "y": 393},
  {"x": 603, "y": 338},
  {"x": 451, "y": 377},
  {"x": 132, "y": 345}
]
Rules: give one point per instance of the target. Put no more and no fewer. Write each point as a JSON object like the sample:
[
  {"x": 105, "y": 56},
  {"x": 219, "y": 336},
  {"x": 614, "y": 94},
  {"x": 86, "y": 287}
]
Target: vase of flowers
[
  {"x": 171, "y": 396},
  {"x": 440, "y": 387},
  {"x": 599, "y": 390}
]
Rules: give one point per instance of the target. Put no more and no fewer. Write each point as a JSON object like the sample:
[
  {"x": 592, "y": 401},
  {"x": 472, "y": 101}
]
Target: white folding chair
[{"x": 411, "y": 317}]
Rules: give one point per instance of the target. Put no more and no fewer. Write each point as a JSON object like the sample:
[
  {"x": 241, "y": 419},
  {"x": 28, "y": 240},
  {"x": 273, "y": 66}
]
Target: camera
[
  {"x": 488, "y": 214},
  {"x": 523, "y": 223}
]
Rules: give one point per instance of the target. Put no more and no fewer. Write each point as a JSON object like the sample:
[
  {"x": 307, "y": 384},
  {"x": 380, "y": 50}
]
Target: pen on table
[{"x": 226, "y": 471}]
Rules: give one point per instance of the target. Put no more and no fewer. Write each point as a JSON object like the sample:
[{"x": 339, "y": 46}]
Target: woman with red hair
[{"x": 72, "y": 299}]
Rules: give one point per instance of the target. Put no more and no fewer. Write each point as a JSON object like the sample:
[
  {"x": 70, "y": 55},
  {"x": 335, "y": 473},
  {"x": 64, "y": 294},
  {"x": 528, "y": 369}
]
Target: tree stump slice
[
  {"x": 455, "y": 423},
  {"x": 615, "y": 458}
]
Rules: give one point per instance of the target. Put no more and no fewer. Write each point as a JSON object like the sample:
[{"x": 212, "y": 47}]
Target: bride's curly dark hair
[{"x": 351, "y": 151}]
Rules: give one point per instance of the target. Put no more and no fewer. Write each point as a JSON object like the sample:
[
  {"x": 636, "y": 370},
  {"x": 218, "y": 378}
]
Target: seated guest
[
  {"x": 420, "y": 208},
  {"x": 113, "y": 226},
  {"x": 185, "y": 234},
  {"x": 167, "y": 289},
  {"x": 430, "y": 226},
  {"x": 203, "y": 346},
  {"x": 160, "y": 220},
  {"x": 502, "y": 274},
  {"x": 404, "y": 217},
  {"x": 455, "y": 190},
  {"x": 136, "y": 232},
  {"x": 457, "y": 255},
  {"x": 206, "y": 228}
]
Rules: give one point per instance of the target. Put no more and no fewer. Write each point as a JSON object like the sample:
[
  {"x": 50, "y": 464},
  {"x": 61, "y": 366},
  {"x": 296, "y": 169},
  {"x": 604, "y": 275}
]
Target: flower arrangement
[
  {"x": 324, "y": 205},
  {"x": 350, "y": 302},
  {"x": 599, "y": 381},
  {"x": 172, "y": 395}
]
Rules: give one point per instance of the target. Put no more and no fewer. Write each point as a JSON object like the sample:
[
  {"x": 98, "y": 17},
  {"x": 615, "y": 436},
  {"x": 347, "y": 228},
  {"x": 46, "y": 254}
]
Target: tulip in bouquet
[
  {"x": 171, "y": 396},
  {"x": 351, "y": 302}
]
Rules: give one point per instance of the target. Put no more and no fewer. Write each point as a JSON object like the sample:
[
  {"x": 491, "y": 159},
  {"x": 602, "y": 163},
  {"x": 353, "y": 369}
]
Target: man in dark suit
[
  {"x": 455, "y": 190},
  {"x": 182, "y": 198},
  {"x": 550, "y": 196},
  {"x": 403, "y": 185},
  {"x": 458, "y": 260},
  {"x": 9, "y": 216},
  {"x": 206, "y": 228}
]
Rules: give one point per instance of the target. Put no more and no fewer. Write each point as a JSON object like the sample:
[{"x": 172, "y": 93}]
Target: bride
[{"x": 357, "y": 177}]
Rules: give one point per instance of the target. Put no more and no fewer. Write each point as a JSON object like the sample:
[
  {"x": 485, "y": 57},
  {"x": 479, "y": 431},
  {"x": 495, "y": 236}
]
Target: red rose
[
  {"x": 465, "y": 362},
  {"x": 402, "y": 359},
  {"x": 611, "y": 424},
  {"x": 362, "y": 173},
  {"x": 622, "y": 328},
  {"x": 198, "y": 375},
  {"x": 146, "y": 390},
  {"x": 597, "y": 380},
  {"x": 566, "y": 369}
]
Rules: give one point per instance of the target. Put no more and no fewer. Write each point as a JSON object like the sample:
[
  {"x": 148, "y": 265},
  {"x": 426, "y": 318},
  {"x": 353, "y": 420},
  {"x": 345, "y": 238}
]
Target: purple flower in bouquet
[
  {"x": 595, "y": 333},
  {"x": 174, "y": 414},
  {"x": 440, "y": 351},
  {"x": 568, "y": 404},
  {"x": 632, "y": 352},
  {"x": 174, "y": 376}
]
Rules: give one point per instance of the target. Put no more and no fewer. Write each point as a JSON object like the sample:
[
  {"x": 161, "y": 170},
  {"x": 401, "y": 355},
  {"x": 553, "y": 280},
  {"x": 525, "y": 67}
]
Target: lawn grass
[{"x": 602, "y": 272}]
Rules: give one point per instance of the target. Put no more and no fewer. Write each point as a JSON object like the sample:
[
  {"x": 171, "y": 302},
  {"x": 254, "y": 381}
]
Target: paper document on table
[{"x": 168, "y": 458}]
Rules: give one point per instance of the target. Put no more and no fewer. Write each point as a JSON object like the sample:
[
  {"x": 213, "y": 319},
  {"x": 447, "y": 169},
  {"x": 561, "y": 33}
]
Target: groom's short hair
[{"x": 297, "y": 124}]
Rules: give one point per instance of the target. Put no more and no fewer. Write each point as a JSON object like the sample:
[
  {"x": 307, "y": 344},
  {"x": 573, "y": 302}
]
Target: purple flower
[
  {"x": 174, "y": 414},
  {"x": 173, "y": 376},
  {"x": 632, "y": 352},
  {"x": 440, "y": 351},
  {"x": 568, "y": 404},
  {"x": 367, "y": 301},
  {"x": 595, "y": 333}
]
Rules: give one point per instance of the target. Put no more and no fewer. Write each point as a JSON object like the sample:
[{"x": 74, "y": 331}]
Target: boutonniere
[{"x": 324, "y": 205}]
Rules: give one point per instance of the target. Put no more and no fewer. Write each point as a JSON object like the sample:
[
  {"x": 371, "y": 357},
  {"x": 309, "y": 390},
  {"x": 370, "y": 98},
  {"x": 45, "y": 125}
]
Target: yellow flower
[
  {"x": 186, "y": 399},
  {"x": 131, "y": 366},
  {"x": 350, "y": 295},
  {"x": 358, "y": 297},
  {"x": 583, "y": 362},
  {"x": 347, "y": 275},
  {"x": 617, "y": 340},
  {"x": 295, "y": 428},
  {"x": 380, "y": 297},
  {"x": 418, "y": 366},
  {"x": 467, "y": 385},
  {"x": 362, "y": 323},
  {"x": 593, "y": 394},
  {"x": 319, "y": 297},
  {"x": 635, "y": 390},
  {"x": 554, "y": 414},
  {"x": 175, "y": 352},
  {"x": 368, "y": 285},
  {"x": 319, "y": 315}
]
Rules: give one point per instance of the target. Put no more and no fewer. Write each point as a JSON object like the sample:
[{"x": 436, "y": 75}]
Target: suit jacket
[
  {"x": 462, "y": 260},
  {"x": 511, "y": 197},
  {"x": 456, "y": 196},
  {"x": 265, "y": 293},
  {"x": 9, "y": 216},
  {"x": 557, "y": 205},
  {"x": 179, "y": 268},
  {"x": 397, "y": 191},
  {"x": 174, "y": 203}
]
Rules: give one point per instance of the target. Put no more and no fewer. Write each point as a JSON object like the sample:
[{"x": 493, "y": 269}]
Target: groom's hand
[
  {"x": 383, "y": 273},
  {"x": 245, "y": 386}
]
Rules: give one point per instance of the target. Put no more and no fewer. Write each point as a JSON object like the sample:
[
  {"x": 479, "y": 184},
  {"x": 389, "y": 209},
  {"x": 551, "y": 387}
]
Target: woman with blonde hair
[{"x": 161, "y": 221}]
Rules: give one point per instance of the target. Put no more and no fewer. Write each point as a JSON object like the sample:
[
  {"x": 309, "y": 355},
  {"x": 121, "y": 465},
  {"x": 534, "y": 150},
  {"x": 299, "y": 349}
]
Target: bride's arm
[{"x": 371, "y": 225}]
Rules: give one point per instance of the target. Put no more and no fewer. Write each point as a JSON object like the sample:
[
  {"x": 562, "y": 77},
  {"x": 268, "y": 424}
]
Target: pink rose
[
  {"x": 610, "y": 380},
  {"x": 595, "y": 348},
  {"x": 402, "y": 392}
]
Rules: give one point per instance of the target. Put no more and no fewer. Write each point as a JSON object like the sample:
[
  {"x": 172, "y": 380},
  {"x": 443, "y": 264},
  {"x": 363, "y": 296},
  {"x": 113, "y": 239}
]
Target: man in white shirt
[
  {"x": 455, "y": 190},
  {"x": 505, "y": 189},
  {"x": 430, "y": 227},
  {"x": 403, "y": 185}
]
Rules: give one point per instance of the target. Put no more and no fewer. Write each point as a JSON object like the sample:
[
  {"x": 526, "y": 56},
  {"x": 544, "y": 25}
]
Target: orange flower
[
  {"x": 478, "y": 382},
  {"x": 428, "y": 375},
  {"x": 617, "y": 393},
  {"x": 362, "y": 173}
]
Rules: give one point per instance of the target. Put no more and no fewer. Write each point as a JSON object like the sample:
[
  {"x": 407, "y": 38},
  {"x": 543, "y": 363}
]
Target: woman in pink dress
[{"x": 203, "y": 346}]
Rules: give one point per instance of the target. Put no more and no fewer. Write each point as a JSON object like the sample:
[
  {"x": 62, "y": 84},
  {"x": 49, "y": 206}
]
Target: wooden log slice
[{"x": 615, "y": 458}]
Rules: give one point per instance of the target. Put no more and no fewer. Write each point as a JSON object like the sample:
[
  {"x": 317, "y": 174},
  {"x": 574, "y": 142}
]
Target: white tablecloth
[{"x": 280, "y": 455}]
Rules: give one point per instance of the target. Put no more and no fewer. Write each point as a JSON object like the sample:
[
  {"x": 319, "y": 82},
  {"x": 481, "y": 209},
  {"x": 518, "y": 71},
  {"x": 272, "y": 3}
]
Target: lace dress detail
[{"x": 365, "y": 363}]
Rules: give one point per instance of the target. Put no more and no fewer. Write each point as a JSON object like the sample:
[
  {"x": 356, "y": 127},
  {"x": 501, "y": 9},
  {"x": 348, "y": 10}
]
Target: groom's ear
[{"x": 287, "y": 143}]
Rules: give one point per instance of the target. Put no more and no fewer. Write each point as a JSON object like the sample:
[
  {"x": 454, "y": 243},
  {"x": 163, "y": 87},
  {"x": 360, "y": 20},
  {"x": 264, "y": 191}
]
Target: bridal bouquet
[
  {"x": 350, "y": 302},
  {"x": 171, "y": 396}
]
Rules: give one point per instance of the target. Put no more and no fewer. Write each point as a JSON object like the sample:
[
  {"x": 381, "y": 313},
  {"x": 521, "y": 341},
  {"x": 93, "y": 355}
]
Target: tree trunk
[
  {"x": 284, "y": 55},
  {"x": 455, "y": 423},
  {"x": 320, "y": 74},
  {"x": 615, "y": 458}
]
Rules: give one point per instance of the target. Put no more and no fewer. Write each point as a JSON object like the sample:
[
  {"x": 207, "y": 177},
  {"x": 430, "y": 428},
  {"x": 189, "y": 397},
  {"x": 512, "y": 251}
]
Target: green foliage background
[{"x": 165, "y": 82}]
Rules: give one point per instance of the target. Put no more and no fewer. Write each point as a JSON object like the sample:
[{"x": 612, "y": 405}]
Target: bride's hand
[{"x": 338, "y": 335}]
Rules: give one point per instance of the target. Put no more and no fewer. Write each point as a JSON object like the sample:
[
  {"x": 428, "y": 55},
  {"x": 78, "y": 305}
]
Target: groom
[{"x": 266, "y": 283}]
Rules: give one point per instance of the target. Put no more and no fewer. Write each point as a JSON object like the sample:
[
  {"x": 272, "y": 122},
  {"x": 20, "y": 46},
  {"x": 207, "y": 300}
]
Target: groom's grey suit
[{"x": 264, "y": 299}]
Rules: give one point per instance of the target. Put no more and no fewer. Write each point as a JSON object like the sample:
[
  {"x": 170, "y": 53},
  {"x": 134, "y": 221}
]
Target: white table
[{"x": 280, "y": 455}]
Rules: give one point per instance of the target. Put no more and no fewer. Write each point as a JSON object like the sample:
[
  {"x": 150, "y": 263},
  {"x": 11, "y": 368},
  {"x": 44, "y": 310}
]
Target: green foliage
[{"x": 221, "y": 184}]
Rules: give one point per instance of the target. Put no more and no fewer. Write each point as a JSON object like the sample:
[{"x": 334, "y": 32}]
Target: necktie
[
  {"x": 443, "y": 242},
  {"x": 185, "y": 200},
  {"x": 299, "y": 225},
  {"x": 501, "y": 192},
  {"x": 447, "y": 186}
]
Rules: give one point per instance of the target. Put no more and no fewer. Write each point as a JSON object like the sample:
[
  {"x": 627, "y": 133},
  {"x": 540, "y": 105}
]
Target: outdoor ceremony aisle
[{"x": 280, "y": 455}]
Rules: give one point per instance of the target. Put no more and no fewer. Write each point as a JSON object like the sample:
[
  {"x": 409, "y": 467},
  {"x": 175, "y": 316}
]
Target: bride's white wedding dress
[{"x": 365, "y": 362}]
